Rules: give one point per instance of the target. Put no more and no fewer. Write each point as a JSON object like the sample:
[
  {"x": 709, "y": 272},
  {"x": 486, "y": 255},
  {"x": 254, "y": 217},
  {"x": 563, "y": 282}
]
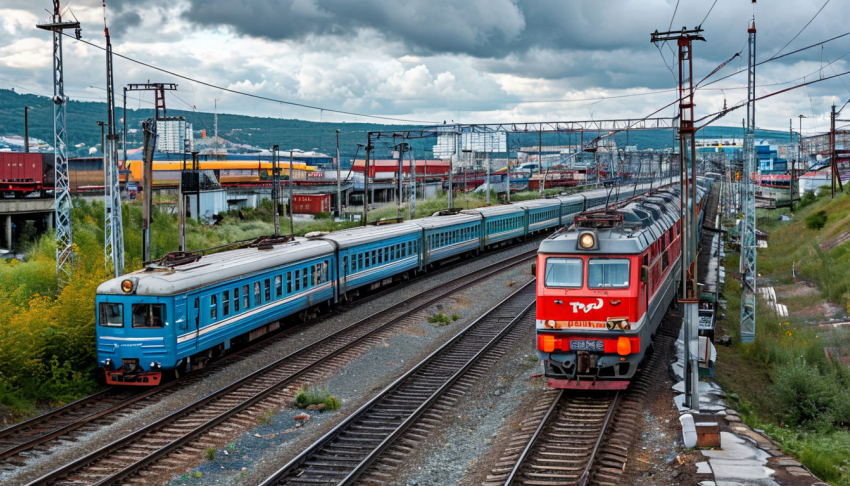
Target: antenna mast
[{"x": 748, "y": 225}]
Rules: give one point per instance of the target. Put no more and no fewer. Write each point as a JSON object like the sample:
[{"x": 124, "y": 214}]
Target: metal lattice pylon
[
  {"x": 62, "y": 190},
  {"x": 748, "y": 225},
  {"x": 113, "y": 230}
]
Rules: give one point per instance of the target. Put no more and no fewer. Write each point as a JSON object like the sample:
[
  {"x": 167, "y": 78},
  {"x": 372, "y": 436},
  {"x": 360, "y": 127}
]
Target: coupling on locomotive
[
  {"x": 180, "y": 312},
  {"x": 603, "y": 286}
]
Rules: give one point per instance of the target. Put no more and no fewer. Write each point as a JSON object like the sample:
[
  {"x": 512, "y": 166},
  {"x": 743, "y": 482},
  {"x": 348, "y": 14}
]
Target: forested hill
[{"x": 82, "y": 117}]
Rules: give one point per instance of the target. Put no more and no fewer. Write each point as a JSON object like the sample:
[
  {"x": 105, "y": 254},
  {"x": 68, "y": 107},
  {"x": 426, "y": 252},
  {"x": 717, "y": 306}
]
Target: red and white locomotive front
[{"x": 593, "y": 327}]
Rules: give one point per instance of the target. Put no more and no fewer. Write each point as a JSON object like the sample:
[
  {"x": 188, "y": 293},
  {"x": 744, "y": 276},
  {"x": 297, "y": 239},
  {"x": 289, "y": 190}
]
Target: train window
[
  {"x": 267, "y": 289},
  {"x": 608, "y": 273},
  {"x": 257, "y": 294},
  {"x": 564, "y": 272},
  {"x": 366, "y": 260},
  {"x": 213, "y": 308},
  {"x": 148, "y": 315},
  {"x": 111, "y": 315},
  {"x": 380, "y": 255},
  {"x": 315, "y": 270},
  {"x": 360, "y": 261},
  {"x": 245, "y": 297},
  {"x": 374, "y": 258},
  {"x": 386, "y": 254},
  {"x": 345, "y": 264},
  {"x": 236, "y": 299},
  {"x": 305, "y": 278},
  {"x": 392, "y": 252},
  {"x": 665, "y": 260},
  {"x": 278, "y": 286},
  {"x": 197, "y": 312},
  {"x": 297, "y": 280},
  {"x": 288, "y": 282},
  {"x": 225, "y": 303}
]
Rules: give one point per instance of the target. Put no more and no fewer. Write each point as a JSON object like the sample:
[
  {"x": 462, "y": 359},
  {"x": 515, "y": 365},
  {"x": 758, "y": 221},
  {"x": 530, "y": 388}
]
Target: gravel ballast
[{"x": 401, "y": 348}]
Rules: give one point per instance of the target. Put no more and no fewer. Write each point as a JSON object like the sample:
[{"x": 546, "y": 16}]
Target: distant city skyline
[{"x": 473, "y": 61}]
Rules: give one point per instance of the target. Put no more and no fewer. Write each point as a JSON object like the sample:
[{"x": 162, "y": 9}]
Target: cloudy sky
[{"x": 435, "y": 60}]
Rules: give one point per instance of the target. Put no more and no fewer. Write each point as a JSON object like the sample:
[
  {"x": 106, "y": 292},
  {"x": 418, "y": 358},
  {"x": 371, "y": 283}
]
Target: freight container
[
  {"x": 20, "y": 173},
  {"x": 311, "y": 203}
]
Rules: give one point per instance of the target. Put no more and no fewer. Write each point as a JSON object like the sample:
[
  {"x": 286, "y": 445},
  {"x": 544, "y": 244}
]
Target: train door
[
  {"x": 195, "y": 325},
  {"x": 643, "y": 292}
]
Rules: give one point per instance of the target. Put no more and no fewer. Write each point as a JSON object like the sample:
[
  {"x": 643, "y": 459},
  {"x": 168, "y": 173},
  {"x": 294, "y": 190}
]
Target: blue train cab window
[
  {"x": 149, "y": 316},
  {"x": 267, "y": 289},
  {"x": 245, "y": 297},
  {"x": 225, "y": 303},
  {"x": 213, "y": 308},
  {"x": 111, "y": 315},
  {"x": 236, "y": 299},
  {"x": 257, "y": 294},
  {"x": 278, "y": 286}
]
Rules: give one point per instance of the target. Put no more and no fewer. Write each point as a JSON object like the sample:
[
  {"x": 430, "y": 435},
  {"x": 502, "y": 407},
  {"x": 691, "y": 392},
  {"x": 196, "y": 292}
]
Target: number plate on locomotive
[{"x": 587, "y": 345}]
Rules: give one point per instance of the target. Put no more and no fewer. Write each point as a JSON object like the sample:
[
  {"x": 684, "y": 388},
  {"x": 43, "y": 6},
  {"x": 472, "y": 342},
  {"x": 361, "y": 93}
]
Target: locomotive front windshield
[
  {"x": 148, "y": 315},
  {"x": 608, "y": 273},
  {"x": 111, "y": 315},
  {"x": 564, "y": 272}
]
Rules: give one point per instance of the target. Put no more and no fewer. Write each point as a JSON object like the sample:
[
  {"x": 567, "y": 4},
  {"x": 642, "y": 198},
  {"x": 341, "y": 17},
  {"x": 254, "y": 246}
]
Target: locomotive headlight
[
  {"x": 586, "y": 241},
  {"x": 127, "y": 286}
]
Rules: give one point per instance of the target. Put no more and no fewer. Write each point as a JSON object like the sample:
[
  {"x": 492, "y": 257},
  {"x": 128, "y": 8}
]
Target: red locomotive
[{"x": 603, "y": 286}]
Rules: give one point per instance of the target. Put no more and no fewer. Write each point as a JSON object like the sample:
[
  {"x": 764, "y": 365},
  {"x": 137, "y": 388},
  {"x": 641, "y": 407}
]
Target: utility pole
[
  {"x": 113, "y": 224},
  {"x": 400, "y": 148},
  {"x": 215, "y": 131},
  {"x": 412, "y": 197},
  {"x": 338, "y": 181},
  {"x": 833, "y": 154},
  {"x": 451, "y": 169},
  {"x": 62, "y": 191},
  {"x": 124, "y": 119},
  {"x": 26, "y": 130},
  {"x": 276, "y": 188},
  {"x": 291, "y": 206},
  {"x": 689, "y": 296},
  {"x": 791, "y": 181},
  {"x": 487, "y": 158},
  {"x": 799, "y": 153},
  {"x": 748, "y": 226},
  {"x": 540, "y": 163},
  {"x": 366, "y": 180},
  {"x": 149, "y": 127}
]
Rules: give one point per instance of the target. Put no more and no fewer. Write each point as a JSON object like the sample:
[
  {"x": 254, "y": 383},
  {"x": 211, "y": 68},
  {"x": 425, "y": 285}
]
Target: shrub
[
  {"x": 210, "y": 454},
  {"x": 455, "y": 317},
  {"x": 816, "y": 221},
  {"x": 323, "y": 215},
  {"x": 440, "y": 319},
  {"x": 332, "y": 403},
  {"x": 311, "y": 396},
  {"x": 808, "y": 198},
  {"x": 805, "y": 395}
]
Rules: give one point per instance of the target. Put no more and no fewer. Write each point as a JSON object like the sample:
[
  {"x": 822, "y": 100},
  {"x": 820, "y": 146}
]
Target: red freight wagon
[
  {"x": 21, "y": 172},
  {"x": 311, "y": 203}
]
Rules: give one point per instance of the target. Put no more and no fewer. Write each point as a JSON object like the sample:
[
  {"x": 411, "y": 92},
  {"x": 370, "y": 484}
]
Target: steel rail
[
  {"x": 365, "y": 463},
  {"x": 540, "y": 427},
  {"x": 61, "y": 430},
  {"x": 483, "y": 273},
  {"x": 586, "y": 475}
]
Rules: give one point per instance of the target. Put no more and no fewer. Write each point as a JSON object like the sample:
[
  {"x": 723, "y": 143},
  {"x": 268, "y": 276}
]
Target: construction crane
[
  {"x": 62, "y": 191},
  {"x": 113, "y": 229}
]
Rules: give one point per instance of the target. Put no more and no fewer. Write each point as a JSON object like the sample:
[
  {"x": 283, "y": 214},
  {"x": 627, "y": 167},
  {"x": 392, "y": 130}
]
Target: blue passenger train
[{"x": 180, "y": 312}]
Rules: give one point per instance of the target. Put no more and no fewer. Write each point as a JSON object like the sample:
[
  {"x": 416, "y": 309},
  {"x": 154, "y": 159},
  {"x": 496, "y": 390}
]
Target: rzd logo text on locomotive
[{"x": 586, "y": 307}]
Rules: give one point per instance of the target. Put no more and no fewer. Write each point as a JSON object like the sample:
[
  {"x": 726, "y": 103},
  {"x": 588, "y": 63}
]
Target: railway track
[
  {"x": 559, "y": 443},
  {"x": 349, "y": 450},
  {"x": 37, "y": 436},
  {"x": 273, "y": 384}
]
